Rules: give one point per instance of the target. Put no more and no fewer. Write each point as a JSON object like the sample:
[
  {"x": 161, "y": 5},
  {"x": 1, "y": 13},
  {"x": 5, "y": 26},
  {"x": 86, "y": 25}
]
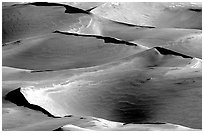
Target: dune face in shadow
[
  {"x": 169, "y": 52},
  {"x": 17, "y": 98},
  {"x": 101, "y": 66},
  {"x": 69, "y": 9},
  {"x": 88, "y": 6}
]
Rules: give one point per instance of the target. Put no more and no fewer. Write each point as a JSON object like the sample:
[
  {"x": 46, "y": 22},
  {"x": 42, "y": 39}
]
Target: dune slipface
[{"x": 101, "y": 66}]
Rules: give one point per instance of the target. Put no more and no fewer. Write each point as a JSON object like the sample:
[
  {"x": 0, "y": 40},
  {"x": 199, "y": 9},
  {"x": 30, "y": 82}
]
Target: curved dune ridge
[{"x": 74, "y": 66}]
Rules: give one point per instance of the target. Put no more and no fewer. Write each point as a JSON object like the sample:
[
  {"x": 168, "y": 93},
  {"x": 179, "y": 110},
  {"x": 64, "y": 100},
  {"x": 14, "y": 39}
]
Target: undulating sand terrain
[{"x": 74, "y": 66}]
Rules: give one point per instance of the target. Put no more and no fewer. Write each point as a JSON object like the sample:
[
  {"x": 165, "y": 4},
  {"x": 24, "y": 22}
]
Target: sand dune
[
  {"x": 60, "y": 51},
  {"x": 27, "y": 20},
  {"x": 84, "y": 5},
  {"x": 103, "y": 27},
  {"x": 188, "y": 40},
  {"x": 90, "y": 24},
  {"x": 73, "y": 66},
  {"x": 168, "y": 15},
  {"x": 10, "y": 3},
  {"x": 104, "y": 125},
  {"x": 15, "y": 117},
  {"x": 190, "y": 45},
  {"x": 109, "y": 90},
  {"x": 77, "y": 123},
  {"x": 130, "y": 127}
]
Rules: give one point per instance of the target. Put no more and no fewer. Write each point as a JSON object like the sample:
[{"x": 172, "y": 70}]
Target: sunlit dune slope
[
  {"x": 168, "y": 15},
  {"x": 62, "y": 51},
  {"x": 104, "y": 125},
  {"x": 120, "y": 87},
  {"x": 79, "y": 123}
]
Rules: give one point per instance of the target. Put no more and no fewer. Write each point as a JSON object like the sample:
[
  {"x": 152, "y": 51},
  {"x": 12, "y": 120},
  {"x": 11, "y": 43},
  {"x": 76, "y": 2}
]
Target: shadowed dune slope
[
  {"x": 59, "y": 51},
  {"x": 84, "y": 5},
  {"x": 168, "y": 15}
]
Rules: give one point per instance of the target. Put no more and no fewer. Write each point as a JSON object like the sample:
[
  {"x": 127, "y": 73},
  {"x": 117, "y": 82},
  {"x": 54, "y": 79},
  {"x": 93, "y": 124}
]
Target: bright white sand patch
[
  {"x": 40, "y": 98},
  {"x": 70, "y": 127},
  {"x": 99, "y": 124}
]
